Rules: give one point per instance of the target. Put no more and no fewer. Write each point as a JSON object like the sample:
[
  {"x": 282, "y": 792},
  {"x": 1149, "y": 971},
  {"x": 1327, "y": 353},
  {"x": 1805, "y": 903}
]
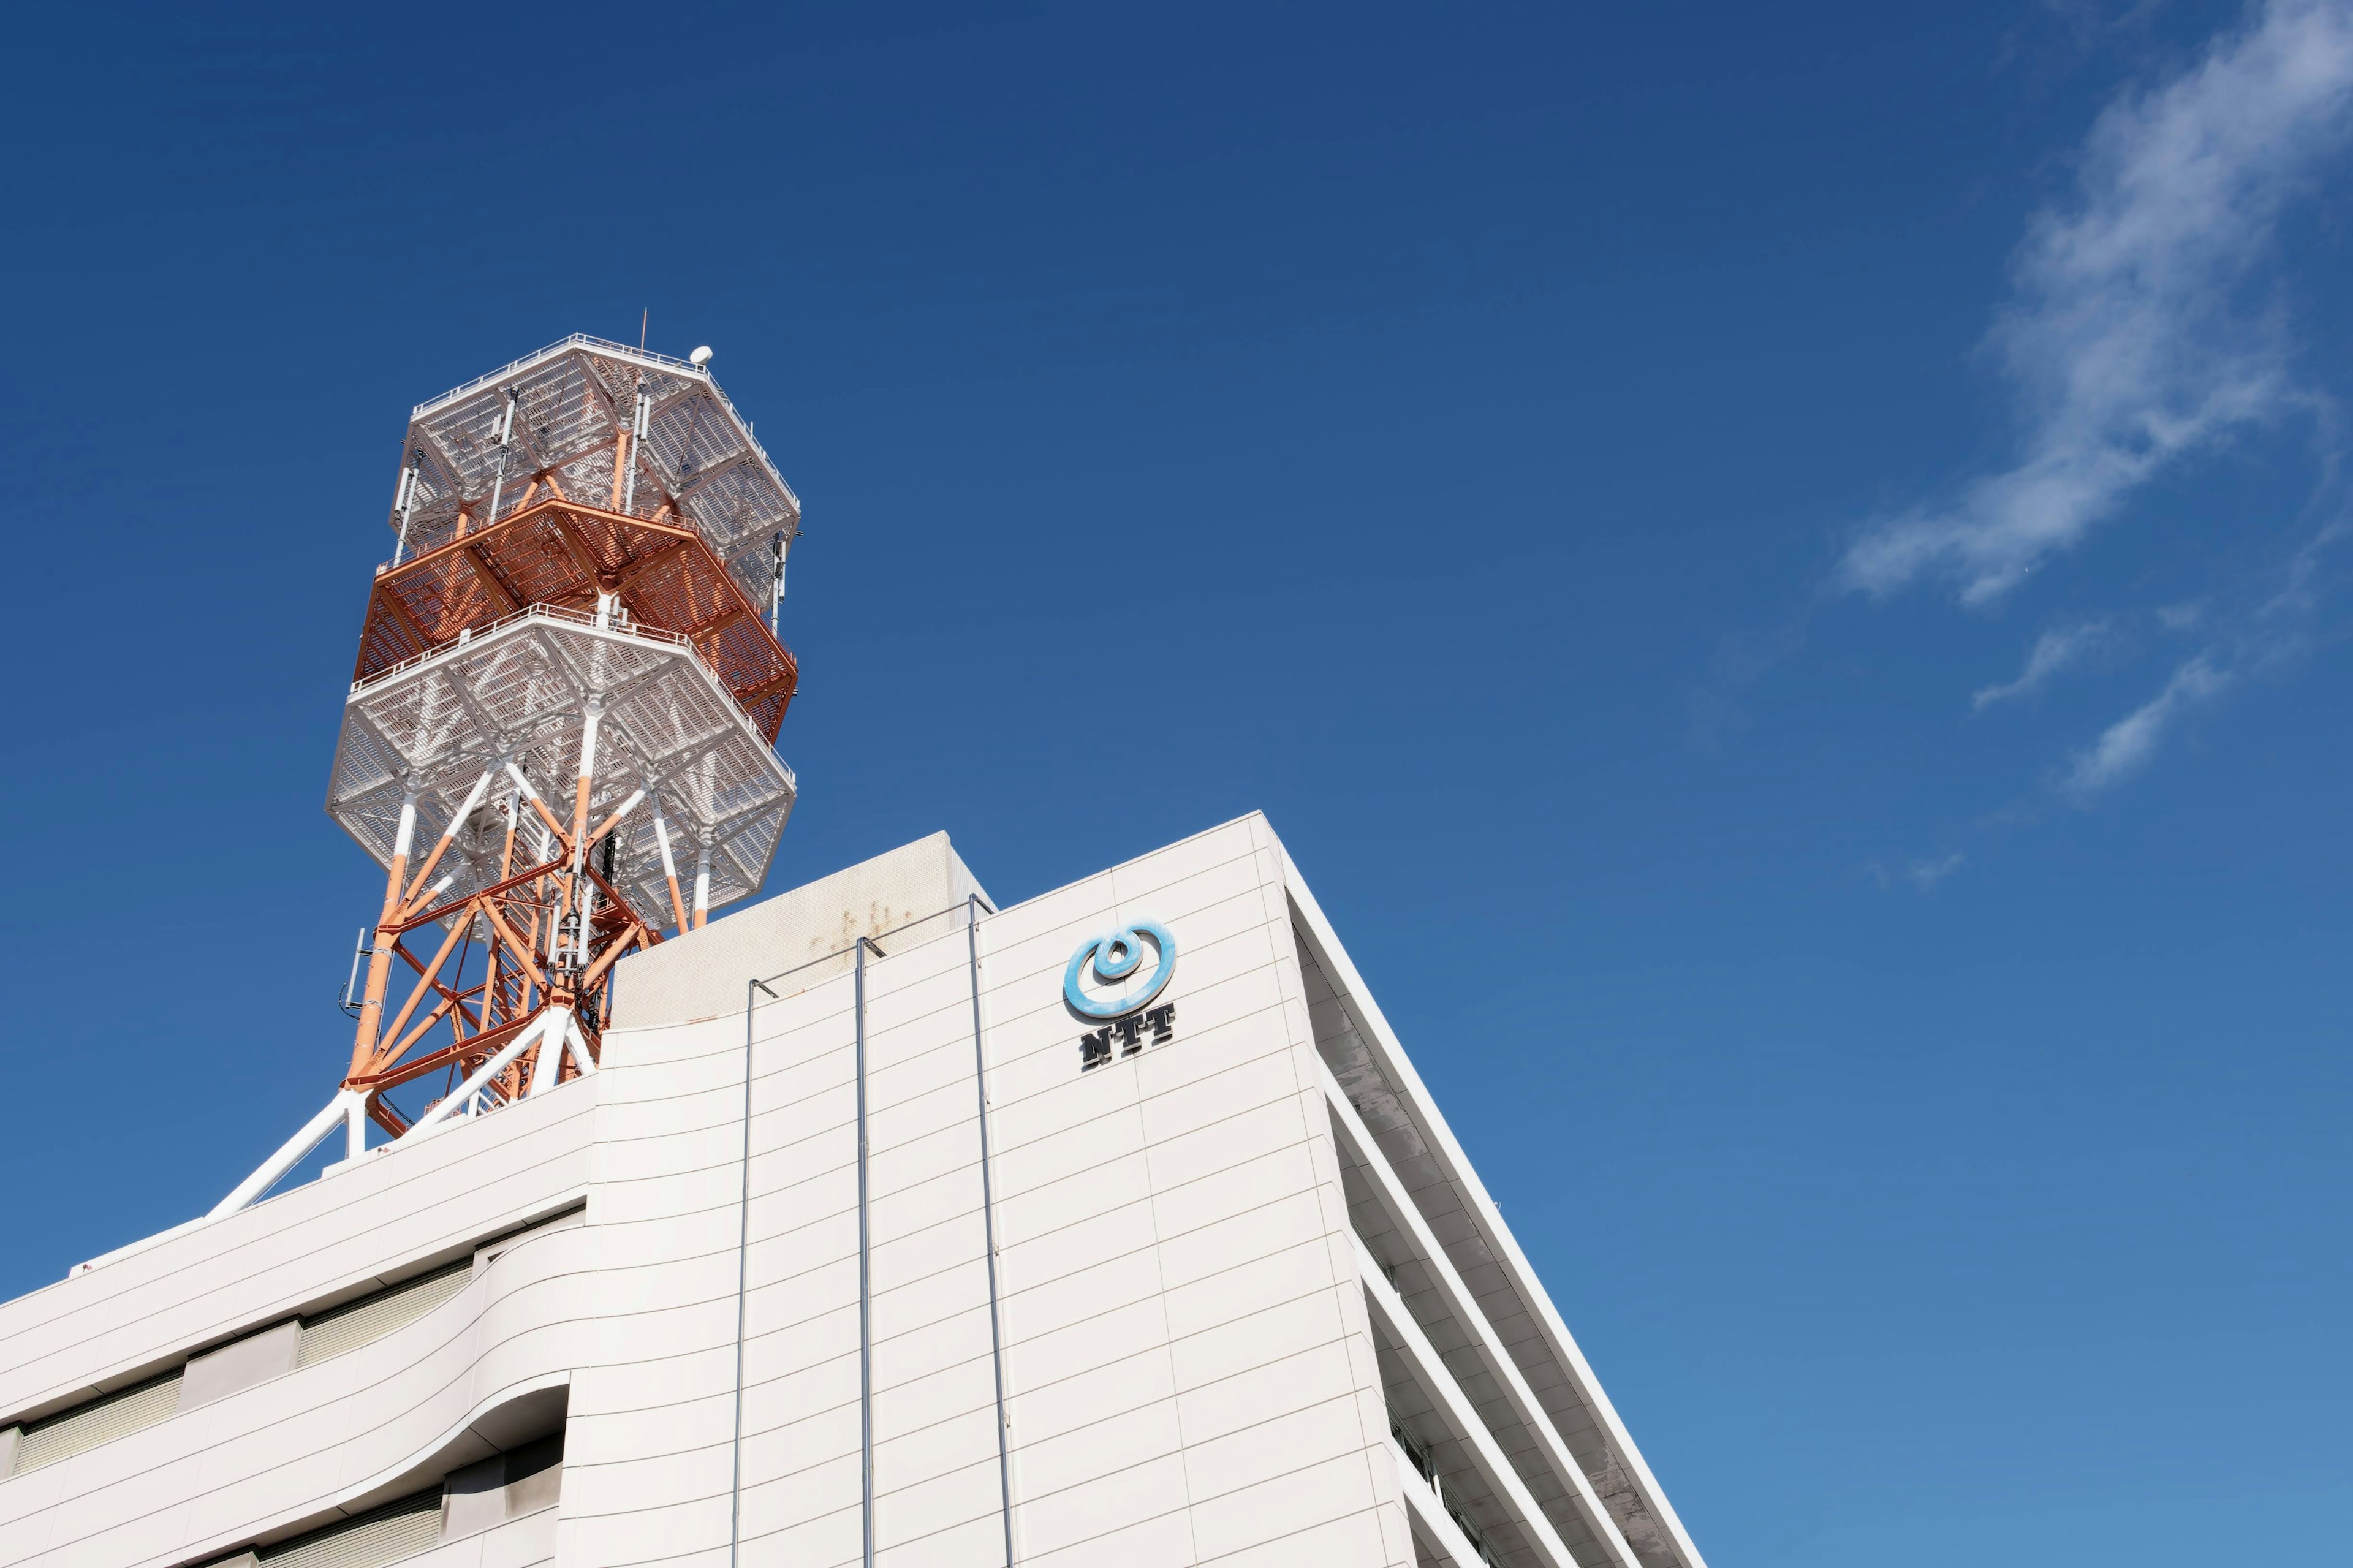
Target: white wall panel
[{"x": 1188, "y": 1357}]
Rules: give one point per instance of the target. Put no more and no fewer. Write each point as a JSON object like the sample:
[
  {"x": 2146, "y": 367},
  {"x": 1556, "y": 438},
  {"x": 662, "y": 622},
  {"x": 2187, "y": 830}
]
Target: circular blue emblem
[{"x": 1116, "y": 954}]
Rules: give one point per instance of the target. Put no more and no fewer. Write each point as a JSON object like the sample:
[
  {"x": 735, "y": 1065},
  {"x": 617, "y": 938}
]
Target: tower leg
[{"x": 364, "y": 1039}]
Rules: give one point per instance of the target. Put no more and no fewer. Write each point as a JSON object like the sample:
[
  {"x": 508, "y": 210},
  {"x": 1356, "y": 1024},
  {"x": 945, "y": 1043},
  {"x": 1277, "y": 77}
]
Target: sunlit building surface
[
  {"x": 1248, "y": 1303},
  {"x": 871, "y": 1223}
]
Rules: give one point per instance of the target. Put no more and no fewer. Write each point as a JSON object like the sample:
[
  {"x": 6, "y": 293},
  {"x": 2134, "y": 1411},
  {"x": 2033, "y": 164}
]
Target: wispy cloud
[
  {"x": 1922, "y": 874},
  {"x": 1925, "y": 874},
  {"x": 2125, "y": 747},
  {"x": 2124, "y": 335},
  {"x": 2054, "y": 651}
]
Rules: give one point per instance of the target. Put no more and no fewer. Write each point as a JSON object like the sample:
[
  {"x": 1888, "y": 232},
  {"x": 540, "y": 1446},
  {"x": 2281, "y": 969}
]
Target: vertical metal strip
[
  {"x": 865, "y": 1324},
  {"x": 743, "y": 1250},
  {"x": 988, "y": 1221}
]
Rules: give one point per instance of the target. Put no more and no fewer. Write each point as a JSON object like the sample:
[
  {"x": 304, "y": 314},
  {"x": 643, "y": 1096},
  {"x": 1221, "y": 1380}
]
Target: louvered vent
[
  {"x": 101, "y": 1420},
  {"x": 369, "y": 1540},
  {"x": 354, "y": 1323}
]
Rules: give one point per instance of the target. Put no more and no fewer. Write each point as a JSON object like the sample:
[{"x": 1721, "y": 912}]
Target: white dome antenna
[{"x": 700, "y": 357}]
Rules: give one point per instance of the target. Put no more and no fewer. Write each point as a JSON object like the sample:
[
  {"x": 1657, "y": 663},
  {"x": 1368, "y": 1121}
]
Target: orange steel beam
[
  {"x": 788, "y": 682},
  {"x": 387, "y": 1115},
  {"x": 584, "y": 783},
  {"x": 443, "y": 912},
  {"x": 621, "y": 452},
  {"x": 364, "y": 1035},
  {"x": 605, "y": 828},
  {"x": 614, "y": 899},
  {"x": 481, "y": 1048},
  {"x": 726, "y": 614},
  {"x": 708, "y": 579},
  {"x": 575, "y": 546},
  {"x": 408, "y": 899},
  {"x": 399, "y": 611},
  {"x": 633, "y": 938},
  {"x": 424, "y": 1028},
  {"x": 548, "y": 816},
  {"x": 416, "y": 994},
  {"x": 480, "y": 564},
  {"x": 526, "y": 956},
  {"x": 415, "y": 564}
]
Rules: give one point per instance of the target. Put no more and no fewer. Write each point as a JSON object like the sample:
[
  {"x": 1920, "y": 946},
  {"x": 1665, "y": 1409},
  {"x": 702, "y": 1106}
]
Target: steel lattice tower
[{"x": 568, "y": 683}]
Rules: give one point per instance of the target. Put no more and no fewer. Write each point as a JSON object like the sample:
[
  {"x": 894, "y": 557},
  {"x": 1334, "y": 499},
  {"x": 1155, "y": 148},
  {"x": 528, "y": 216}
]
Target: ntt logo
[{"x": 1110, "y": 959}]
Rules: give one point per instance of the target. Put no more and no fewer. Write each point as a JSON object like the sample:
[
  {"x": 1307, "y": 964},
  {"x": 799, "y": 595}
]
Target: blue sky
[{"x": 1782, "y": 571}]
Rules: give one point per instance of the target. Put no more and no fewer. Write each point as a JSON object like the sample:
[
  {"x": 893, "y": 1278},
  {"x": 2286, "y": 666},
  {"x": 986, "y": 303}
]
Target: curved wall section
[
  {"x": 336, "y": 1436},
  {"x": 344, "y": 1433}
]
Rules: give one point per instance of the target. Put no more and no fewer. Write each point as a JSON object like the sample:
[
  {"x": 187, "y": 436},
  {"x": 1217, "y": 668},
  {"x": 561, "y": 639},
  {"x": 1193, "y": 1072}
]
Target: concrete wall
[
  {"x": 1188, "y": 1372},
  {"x": 701, "y": 974},
  {"x": 336, "y": 1437}
]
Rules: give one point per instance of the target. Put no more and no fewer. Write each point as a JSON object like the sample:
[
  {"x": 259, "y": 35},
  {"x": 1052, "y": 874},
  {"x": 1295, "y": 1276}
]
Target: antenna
[
  {"x": 404, "y": 503},
  {"x": 488, "y": 764},
  {"x": 776, "y": 592},
  {"x": 637, "y": 435},
  {"x": 700, "y": 357},
  {"x": 503, "y": 437},
  {"x": 643, "y": 317}
]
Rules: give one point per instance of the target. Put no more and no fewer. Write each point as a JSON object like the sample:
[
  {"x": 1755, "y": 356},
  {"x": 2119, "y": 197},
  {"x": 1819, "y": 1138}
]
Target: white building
[{"x": 1245, "y": 1302}]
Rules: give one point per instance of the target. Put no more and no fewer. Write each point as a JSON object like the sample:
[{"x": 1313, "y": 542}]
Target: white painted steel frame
[
  {"x": 514, "y": 700},
  {"x": 578, "y": 399}
]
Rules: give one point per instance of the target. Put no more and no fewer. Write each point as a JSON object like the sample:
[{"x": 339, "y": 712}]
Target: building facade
[{"x": 1113, "y": 1228}]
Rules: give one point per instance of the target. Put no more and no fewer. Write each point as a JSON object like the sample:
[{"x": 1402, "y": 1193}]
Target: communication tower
[{"x": 559, "y": 736}]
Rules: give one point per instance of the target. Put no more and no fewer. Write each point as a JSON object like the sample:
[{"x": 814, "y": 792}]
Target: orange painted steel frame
[
  {"x": 526, "y": 972},
  {"x": 553, "y": 551},
  {"x": 560, "y": 552}
]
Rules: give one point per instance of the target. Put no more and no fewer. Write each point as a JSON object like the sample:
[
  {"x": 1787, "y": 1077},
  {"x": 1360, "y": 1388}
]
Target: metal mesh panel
[
  {"x": 70, "y": 1432},
  {"x": 551, "y": 555},
  {"x": 563, "y": 412},
  {"x": 679, "y": 592},
  {"x": 363, "y": 762},
  {"x": 617, "y": 543},
  {"x": 752, "y": 846},
  {"x": 671, "y": 728},
  {"x": 609, "y": 664},
  {"x": 666, "y": 721},
  {"x": 536, "y": 563},
  {"x": 739, "y": 651},
  {"x": 689, "y": 437},
  {"x": 515, "y": 681},
  {"x": 588, "y": 478},
  {"x": 752, "y": 567},
  {"x": 576, "y": 397},
  {"x": 438, "y": 597},
  {"x": 734, "y": 501},
  {"x": 354, "y": 1323},
  {"x": 370, "y": 1539},
  {"x": 388, "y": 639}
]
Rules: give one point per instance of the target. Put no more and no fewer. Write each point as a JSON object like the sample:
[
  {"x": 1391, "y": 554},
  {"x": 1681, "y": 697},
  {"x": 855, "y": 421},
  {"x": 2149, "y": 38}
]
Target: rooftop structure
[
  {"x": 877, "y": 1225},
  {"x": 881, "y": 1238},
  {"x": 569, "y": 682},
  {"x": 642, "y": 433}
]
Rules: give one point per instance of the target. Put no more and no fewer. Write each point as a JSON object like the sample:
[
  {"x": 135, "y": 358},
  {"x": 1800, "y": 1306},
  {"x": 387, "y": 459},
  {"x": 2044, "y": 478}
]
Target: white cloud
[
  {"x": 2052, "y": 652},
  {"x": 1925, "y": 874},
  {"x": 2122, "y": 336},
  {"x": 2126, "y": 746}
]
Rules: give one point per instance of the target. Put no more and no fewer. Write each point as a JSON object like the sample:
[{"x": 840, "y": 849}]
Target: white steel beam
[
  {"x": 487, "y": 1071},
  {"x": 346, "y": 1107}
]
